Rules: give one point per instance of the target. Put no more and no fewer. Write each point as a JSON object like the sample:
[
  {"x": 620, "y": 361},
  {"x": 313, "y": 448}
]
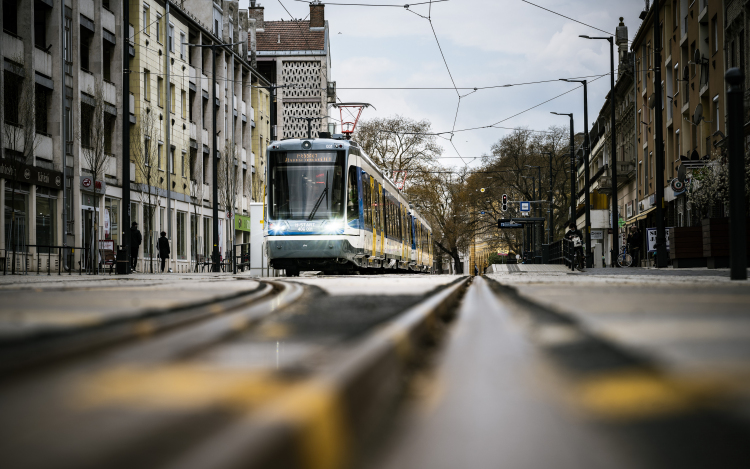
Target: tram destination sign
[{"x": 300, "y": 157}]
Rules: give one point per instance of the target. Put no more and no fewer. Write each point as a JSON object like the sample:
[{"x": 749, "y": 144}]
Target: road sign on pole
[{"x": 525, "y": 207}]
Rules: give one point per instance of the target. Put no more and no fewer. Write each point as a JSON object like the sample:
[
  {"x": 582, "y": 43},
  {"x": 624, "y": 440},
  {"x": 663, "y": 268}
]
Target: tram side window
[
  {"x": 352, "y": 203},
  {"x": 376, "y": 207},
  {"x": 381, "y": 207},
  {"x": 367, "y": 200}
]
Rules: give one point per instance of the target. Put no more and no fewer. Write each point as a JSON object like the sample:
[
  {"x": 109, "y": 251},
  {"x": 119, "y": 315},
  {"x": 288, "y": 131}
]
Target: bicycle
[{"x": 625, "y": 259}]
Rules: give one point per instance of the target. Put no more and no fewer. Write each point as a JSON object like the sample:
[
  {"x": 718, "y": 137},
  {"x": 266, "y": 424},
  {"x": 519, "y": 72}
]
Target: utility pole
[
  {"x": 612, "y": 134},
  {"x": 737, "y": 223},
  {"x": 125, "y": 133},
  {"x": 549, "y": 199},
  {"x": 215, "y": 168},
  {"x": 661, "y": 239}
]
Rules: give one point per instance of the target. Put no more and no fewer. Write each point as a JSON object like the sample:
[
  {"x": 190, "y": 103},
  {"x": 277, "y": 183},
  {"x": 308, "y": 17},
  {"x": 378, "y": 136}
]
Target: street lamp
[
  {"x": 615, "y": 215},
  {"x": 586, "y": 182},
  {"x": 549, "y": 198},
  {"x": 572, "y": 168},
  {"x": 215, "y": 170}
]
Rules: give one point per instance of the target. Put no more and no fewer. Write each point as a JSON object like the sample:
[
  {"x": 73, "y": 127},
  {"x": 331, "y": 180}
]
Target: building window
[
  {"x": 182, "y": 45},
  {"x": 206, "y": 236},
  {"x": 715, "y": 26},
  {"x": 183, "y": 163},
  {"x": 10, "y": 16},
  {"x": 218, "y": 26},
  {"x": 146, "y": 158},
  {"x": 112, "y": 208},
  {"x": 171, "y": 160},
  {"x": 46, "y": 201},
  {"x": 158, "y": 155},
  {"x": 12, "y": 92},
  {"x": 716, "y": 113},
  {"x": 146, "y": 19},
  {"x": 107, "y": 61},
  {"x": 692, "y": 64},
  {"x": 160, "y": 91},
  {"x": 170, "y": 37},
  {"x": 85, "y": 50},
  {"x": 68, "y": 45},
  {"x": 158, "y": 28},
  {"x": 40, "y": 26},
  {"x": 147, "y": 85},
  {"x": 193, "y": 236},
  {"x": 16, "y": 215},
  {"x": 171, "y": 98},
  {"x": 183, "y": 104},
  {"x": 181, "y": 232}
]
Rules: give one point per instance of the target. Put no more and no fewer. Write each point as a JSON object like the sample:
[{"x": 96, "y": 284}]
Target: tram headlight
[
  {"x": 332, "y": 226},
  {"x": 278, "y": 227}
]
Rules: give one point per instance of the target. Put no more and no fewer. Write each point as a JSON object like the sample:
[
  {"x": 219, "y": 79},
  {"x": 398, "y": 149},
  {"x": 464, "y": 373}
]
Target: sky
[{"x": 484, "y": 43}]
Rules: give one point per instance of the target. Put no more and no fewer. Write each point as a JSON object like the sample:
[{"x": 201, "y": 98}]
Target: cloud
[{"x": 484, "y": 43}]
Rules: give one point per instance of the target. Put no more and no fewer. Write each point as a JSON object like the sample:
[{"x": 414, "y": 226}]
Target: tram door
[
  {"x": 373, "y": 216},
  {"x": 381, "y": 226}
]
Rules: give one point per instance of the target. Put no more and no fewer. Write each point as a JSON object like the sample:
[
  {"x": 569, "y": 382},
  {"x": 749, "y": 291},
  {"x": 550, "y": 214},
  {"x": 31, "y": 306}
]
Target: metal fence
[
  {"x": 64, "y": 259},
  {"x": 560, "y": 252}
]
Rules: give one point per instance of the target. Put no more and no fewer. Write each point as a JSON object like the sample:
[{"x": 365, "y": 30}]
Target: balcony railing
[{"x": 243, "y": 152}]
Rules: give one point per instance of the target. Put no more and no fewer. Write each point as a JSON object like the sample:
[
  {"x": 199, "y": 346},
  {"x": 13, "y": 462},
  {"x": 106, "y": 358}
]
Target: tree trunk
[{"x": 457, "y": 262}]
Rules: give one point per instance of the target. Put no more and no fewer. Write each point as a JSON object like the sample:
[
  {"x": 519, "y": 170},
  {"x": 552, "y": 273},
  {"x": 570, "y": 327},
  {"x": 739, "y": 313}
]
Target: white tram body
[{"x": 330, "y": 209}]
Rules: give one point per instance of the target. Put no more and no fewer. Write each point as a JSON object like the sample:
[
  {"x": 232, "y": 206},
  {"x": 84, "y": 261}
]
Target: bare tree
[
  {"x": 402, "y": 147},
  {"x": 229, "y": 182},
  {"x": 92, "y": 135},
  {"x": 143, "y": 148},
  {"x": 20, "y": 137},
  {"x": 196, "y": 197}
]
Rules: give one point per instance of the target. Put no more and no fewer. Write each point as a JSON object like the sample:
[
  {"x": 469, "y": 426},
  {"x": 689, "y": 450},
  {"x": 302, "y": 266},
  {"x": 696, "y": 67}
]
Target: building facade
[
  {"x": 693, "y": 100},
  {"x": 75, "y": 94},
  {"x": 295, "y": 57}
]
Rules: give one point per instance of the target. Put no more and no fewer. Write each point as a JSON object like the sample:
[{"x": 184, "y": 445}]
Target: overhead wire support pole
[
  {"x": 737, "y": 208},
  {"x": 661, "y": 239},
  {"x": 572, "y": 168},
  {"x": 125, "y": 135}
]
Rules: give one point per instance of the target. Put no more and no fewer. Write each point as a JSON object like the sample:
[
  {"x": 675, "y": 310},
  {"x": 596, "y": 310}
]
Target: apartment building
[
  {"x": 693, "y": 100},
  {"x": 65, "y": 68},
  {"x": 295, "y": 57},
  {"x": 737, "y": 28},
  {"x": 601, "y": 159}
]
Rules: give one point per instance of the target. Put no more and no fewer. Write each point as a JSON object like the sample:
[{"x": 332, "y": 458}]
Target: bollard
[{"x": 737, "y": 228}]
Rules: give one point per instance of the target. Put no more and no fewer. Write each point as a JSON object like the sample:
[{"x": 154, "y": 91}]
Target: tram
[{"x": 331, "y": 209}]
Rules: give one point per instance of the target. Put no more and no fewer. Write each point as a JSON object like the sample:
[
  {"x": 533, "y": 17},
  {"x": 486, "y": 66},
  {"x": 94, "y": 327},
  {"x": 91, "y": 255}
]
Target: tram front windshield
[{"x": 306, "y": 185}]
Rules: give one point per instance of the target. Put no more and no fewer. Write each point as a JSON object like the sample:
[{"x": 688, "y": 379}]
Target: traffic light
[{"x": 505, "y": 202}]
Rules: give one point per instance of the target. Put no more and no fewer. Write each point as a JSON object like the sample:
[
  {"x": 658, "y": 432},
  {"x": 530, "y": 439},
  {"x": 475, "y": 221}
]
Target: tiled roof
[{"x": 289, "y": 35}]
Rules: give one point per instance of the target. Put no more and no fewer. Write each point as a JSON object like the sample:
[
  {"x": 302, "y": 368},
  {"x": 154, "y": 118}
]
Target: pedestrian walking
[
  {"x": 476, "y": 270},
  {"x": 135, "y": 244},
  {"x": 163, "y": 249}
]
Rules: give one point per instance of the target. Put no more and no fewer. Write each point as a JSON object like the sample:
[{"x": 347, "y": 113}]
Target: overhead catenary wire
[{"x": 375, "y": 4}]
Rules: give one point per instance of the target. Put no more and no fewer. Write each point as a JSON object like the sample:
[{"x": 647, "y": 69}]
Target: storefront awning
[{"x": 643, "y": 215}]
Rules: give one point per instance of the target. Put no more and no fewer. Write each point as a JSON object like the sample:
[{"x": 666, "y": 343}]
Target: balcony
[
  {"x": 13, "y": 47},
  {"x": 206, "y": 192},
  {"x": 132, "y": 172},
  {"x": 193, "y": 75},
  {"x": 243, "y": 154},
  {"x": 44, "y": 147},
  {"x": 605, "y": 185},
  {"x": 42, "y": 62},
  {"x": 108, "y": 20},
  {"x": 243, "y": 108},
  {"x": 204, "y": 135},
  {"x": 193, "y": 131},
  {"x": 109, "y": 92},
  {"x": 625, "y": 170},
  {"x": 86, "y": 7},
  {"x": 110, "y": 166},
  {"x": 217, "y": 90},
  {"x": 234, "y": 102},
  {"x": 244, "y": 203},
  {"x": 131, "y": 34},
  {"x": 703, "y": 15},
  {"x": 204, "y": 83},
  {"x": 86, "y": 82}
]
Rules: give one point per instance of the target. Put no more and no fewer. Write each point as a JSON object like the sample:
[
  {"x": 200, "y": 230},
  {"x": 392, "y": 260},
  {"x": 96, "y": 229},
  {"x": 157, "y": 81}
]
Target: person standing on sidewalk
[
  {"x": 135, "y": 244},
  {"x": 163, "y": 249}
]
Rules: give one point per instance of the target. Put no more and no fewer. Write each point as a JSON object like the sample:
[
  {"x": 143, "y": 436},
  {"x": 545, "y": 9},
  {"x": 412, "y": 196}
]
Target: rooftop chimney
[
  {"x": 256, "y": 13},
  {"x": 317, "y": 15}
]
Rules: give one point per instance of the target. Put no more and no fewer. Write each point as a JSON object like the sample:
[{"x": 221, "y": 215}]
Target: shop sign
[
  {"x": 88, "y": 184},
  {"x": 33, "y": 175},
  {"x": 597, "y": 234},
  {"x": 241, "y": 223},
  {"x": 651, "y": 236}
]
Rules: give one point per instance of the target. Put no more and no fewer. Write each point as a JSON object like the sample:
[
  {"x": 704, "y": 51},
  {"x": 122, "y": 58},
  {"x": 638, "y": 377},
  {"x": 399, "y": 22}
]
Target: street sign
[
  {"x": 509, "y": 225},
  {"x": 524, "y": 206},
  {"x": 597, "y": 234}
]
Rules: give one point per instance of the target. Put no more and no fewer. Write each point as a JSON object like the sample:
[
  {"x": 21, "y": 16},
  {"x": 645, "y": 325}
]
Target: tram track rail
[
  {"x": 159, "y": 403},
  {"x": 48, "y": 347}
]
